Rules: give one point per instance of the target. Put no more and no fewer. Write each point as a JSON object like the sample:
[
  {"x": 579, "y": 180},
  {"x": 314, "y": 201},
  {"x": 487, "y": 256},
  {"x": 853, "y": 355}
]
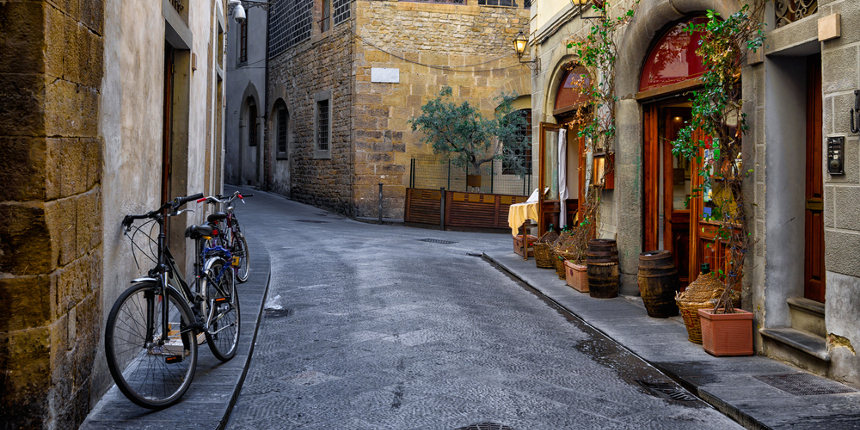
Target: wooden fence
[{"x": 461, "y": 210}]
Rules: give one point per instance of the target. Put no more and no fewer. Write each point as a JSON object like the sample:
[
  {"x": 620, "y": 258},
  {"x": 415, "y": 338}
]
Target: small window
[
  {"x": 243, "y": 41},
  {"x": 322, "y": 124},
  {"x": 510, "y": 3},
  {"x": 252, "y": 123},
  {"x": 283, "y": 118},
  {"x": 325, "y": 19}
]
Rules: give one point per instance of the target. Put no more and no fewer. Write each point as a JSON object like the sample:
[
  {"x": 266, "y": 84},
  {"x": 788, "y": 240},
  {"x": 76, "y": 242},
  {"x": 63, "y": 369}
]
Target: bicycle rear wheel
[
  {"x": 151, "y": 372},
  {"x": 222, "y": 336},
  {"x": 240, "y": 250}
]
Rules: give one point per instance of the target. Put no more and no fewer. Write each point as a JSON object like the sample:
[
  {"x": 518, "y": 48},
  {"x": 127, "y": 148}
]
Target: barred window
[
  {"x": 460, "y": 2},
  {"x": 511, "y": 3},
  {"x": 322, "y": 125},
  {"x": 341, "y": 11},
  {"x": 523, "y": 156},
  {"x": 283, "y": 118},
  {"x": 290, "y": 22}
]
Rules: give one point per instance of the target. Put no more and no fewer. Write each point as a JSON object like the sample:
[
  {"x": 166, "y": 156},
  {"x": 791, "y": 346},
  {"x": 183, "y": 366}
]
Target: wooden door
[
  {"x": 167, "y": 122},
  {"x": 550, "y": 206},
  {"x": 677, "y": 181},
  {"x": 666, "y": 217},
  {"x": 651, "y": 173},
  {"x": 814, "y": 220}
]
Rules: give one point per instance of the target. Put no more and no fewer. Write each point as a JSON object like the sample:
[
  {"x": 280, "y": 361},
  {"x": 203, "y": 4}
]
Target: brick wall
[{"x": 50, "y": 240}]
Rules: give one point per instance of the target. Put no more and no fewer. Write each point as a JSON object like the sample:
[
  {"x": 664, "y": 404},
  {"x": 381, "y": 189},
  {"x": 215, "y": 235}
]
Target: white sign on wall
[{"x": 384, "y": 75}]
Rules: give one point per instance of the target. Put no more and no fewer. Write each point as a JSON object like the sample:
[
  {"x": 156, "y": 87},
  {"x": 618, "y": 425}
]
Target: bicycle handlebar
[
  {"x": 218, "y": 198},
  {"x": 173, "y": 204}
]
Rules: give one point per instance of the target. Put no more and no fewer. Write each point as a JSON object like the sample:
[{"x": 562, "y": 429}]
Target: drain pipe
[
  {"x": 442, "y": 210},
  {"x": 380, "y": 202}
]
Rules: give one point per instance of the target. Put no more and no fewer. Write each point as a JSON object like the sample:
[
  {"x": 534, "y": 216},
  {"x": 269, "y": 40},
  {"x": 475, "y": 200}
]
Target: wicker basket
[
  {"x": 558, "y": 261},
  {"x": 689, "y": 311},
  {"x": 700, "y": 294},
  {"x": 543, "y": 250}
]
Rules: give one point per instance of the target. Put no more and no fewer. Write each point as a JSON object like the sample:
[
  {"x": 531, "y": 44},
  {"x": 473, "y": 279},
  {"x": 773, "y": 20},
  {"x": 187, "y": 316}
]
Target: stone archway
[
  {"x": 250, "y": 154},
  {"x": 649, "y": 23}
]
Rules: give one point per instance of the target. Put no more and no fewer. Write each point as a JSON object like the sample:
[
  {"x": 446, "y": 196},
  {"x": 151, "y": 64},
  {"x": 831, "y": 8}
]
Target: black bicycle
[{"x": 155, "y": 326}]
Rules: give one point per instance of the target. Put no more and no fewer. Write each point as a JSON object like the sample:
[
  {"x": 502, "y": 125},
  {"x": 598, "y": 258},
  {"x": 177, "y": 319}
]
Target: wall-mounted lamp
[
  {"x": 520, "y": 44},
  {"x": 583, "y": 4},
  {"x": 600, "y": 176},
  {"x": 855, "y": 112}
]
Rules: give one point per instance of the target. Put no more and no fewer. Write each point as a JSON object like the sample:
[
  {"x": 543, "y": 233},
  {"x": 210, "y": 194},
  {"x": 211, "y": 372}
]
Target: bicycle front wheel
[
  {"x": 152, "y": 371},
  {"x": 240, "y": 250},
  {"x": 222, "y": 334}
]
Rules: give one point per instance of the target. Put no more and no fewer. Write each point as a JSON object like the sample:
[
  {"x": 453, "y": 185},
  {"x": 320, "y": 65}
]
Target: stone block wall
[
  {"x": 50, "y": 241},
  {"x": 321, "y": 63},
  {"x": 466, "y": 47},
  {"x": 840, "y": 78}
]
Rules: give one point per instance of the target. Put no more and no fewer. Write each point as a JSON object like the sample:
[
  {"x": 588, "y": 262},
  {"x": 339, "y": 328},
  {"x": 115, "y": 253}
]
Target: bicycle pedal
[
  {"x": 236, "y": 261},
  {"x": 222, "y": 300},
  {"x": 173, "y": 359}
]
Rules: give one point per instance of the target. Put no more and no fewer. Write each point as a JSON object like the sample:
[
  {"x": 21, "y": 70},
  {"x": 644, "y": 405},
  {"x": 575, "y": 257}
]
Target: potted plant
[
  {"x": 713, "y": 141},
  {"x": 470, "y": 139}
]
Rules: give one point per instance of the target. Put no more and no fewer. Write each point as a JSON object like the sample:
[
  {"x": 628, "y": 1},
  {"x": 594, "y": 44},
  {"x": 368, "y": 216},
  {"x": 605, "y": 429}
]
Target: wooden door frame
[
  {"x": 543, "y": 204},
  {"x": 650, "y": 174}
]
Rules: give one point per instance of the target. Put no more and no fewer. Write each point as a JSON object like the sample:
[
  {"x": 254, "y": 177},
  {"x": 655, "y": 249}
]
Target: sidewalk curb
[
  {"x": 742, "y": 418},
  {"x": 226, "y": 418}
]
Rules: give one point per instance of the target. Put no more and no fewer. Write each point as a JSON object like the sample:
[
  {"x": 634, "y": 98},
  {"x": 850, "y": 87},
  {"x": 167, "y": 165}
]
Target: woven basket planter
[
  {"x": 689, "y": 311},
  {"x": 543, "y": 250},
  {"x": 558, "y": 261}
]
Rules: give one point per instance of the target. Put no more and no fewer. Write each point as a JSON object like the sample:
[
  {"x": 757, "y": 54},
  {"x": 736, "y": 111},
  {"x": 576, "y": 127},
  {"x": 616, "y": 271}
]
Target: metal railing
[
  {"x": 788, "y": 11},
  {"x": 430, "y": 172}
]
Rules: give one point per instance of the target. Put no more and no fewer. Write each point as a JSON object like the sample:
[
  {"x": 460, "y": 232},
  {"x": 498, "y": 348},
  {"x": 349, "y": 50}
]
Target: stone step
[
  {"x": 815, "y": 346},
  {"x": 807, "y": 316}
]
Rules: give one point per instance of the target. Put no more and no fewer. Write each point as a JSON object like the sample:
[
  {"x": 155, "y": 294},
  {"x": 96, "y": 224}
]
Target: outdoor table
[{"x": 518, "y": 214}]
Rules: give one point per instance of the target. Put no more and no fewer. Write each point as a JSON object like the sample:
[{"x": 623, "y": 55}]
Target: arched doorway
[
  {"x": 561, "y": 174},
  {"x": 671, "y": 68}
]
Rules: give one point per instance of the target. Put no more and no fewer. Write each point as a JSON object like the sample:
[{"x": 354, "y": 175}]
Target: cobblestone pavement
[{"x": 370, "y": 327}]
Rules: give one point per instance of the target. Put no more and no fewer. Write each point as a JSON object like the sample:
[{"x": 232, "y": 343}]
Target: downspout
[{"x": 267, "y": 163}]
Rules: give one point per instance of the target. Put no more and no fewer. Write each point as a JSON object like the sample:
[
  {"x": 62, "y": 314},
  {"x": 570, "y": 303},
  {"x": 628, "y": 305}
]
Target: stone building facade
[
  {"x": 245, "y": 86},
  {"x": 374, "y": 68},
  {"x": 798, "y": 91},
  {"x": 82, "y": 134}
]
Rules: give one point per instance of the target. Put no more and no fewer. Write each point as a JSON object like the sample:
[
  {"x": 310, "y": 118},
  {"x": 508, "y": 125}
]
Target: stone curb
[{"x": 724, "y": 407}]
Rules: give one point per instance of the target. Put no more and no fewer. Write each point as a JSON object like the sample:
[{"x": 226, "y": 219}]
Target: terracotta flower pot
[
  {"x": 727, "y": 334},
  {"x": 576, "y": 276}
]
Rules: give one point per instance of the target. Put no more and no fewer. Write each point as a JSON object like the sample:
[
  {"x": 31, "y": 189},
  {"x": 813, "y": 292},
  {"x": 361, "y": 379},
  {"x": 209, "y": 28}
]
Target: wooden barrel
[
  {"x": 658, "y": 283},
  {"x": 602, "y": 280},
  {"x": 601, "y": 251}
]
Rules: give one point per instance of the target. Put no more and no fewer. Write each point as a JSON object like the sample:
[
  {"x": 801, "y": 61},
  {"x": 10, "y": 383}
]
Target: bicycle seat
[
  {"x": 198, "y": 231},
  {"x": 217, "y": 216}
]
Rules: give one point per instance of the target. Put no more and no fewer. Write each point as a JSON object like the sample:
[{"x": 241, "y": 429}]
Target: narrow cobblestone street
[{"x": 388, "y": 327}]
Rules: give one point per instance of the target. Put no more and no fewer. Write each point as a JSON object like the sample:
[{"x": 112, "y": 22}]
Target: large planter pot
[
  {"x": 576, "y": 276},
  {"x": 727, "y": 334}
]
